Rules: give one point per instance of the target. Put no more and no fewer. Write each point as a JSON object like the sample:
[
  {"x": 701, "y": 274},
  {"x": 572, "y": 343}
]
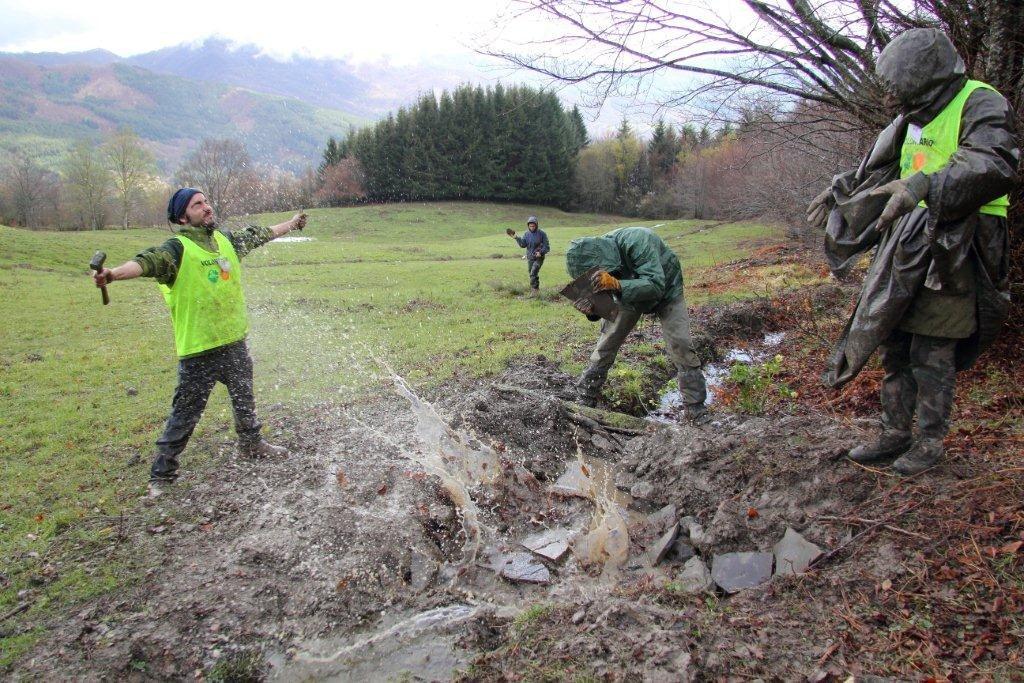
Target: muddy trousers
[
  {"x": 232, "y": 366},
  {"x": 534, "y": 266},
  {"x": 675, "y": 328},
  {"x": 920, "y": 376}
]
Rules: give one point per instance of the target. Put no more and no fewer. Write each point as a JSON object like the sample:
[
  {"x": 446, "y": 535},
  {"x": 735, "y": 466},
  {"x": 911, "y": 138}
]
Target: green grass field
[{"x": 435, "y": 289}]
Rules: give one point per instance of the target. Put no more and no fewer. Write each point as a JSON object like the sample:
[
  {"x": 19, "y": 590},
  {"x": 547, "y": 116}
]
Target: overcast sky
[{"x": 401, "y": 31}]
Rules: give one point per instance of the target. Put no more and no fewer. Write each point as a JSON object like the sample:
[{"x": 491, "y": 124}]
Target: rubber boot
[
  {"x": 889, "y": 445},
  {"x": 696, "y": 414},
  {"x": 261, "y": 449},
  {"x": 924, "y": 455}
]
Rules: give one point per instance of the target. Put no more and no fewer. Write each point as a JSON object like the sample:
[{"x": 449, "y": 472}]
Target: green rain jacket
[{"x": 648, "y": 270}]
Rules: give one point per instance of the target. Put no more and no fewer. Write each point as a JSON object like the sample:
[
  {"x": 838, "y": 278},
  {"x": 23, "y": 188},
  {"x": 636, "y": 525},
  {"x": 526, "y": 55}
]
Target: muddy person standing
[
  {"x": 645, "y": 275},
  {"x": 931, "y": 199},
  {"x": 535, "y": 241},
  {"x": 200, "y": 274}
]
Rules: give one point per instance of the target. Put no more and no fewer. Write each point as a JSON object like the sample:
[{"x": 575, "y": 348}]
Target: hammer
[{"x": 97, "y": 264}]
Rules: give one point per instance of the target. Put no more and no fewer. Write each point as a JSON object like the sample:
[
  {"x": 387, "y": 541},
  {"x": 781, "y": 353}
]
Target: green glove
[
  {"x": 904, "y": 194},
  {"x": 819, "y": 208}
]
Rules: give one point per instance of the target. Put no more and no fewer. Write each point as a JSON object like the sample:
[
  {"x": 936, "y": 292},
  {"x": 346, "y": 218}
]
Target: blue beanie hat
[{"x": 179, "y": 202}]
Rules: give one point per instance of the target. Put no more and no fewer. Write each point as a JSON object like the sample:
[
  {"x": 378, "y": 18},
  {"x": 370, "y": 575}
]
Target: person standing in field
[
  {"x": 535, "y": 241},
  {"x": 200, "y": 275},
  {"x": 644, "y": 274},
  {"x": 931, "y": 200}
]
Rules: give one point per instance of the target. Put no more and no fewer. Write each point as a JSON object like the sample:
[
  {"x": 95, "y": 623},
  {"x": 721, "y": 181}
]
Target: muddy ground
[{"x": 350, "y": 561}]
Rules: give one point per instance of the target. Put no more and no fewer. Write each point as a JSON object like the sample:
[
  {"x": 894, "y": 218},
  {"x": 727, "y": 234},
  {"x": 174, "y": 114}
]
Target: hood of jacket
[
  {"x": 586, "y": 252},
  {"x": 922, "y": 69}
]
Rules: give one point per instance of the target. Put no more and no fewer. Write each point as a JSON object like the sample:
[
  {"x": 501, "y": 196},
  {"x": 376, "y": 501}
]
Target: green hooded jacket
[{"x": 647, "y": 268}]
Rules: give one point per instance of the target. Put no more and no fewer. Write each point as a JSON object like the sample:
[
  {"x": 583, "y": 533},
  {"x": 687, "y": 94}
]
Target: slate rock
[
  {"x": 663, "y": 519},
  {"x": 658, "y": 549},
  {"x": 794, "y": 553},
  {"x": 572, "y": 482},
  {"x": 735, "y": 571},
  {"x": 681, "y": 551},
  {"x": 642, "y": 490},
  {"x": 695, "y": 577},
  {"x": 552, "y": 544},
  {"x": 524, "y": 567}
]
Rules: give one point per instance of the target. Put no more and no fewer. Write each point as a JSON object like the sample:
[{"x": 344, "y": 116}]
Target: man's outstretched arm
[
  {"x": 255, "y": 236},
  {"x": 126, "y": 271}
]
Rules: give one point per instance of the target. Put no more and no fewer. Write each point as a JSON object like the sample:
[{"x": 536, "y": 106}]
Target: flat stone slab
[
  {"x": 735, "y": 571},
  {"x": 658, "y": 549},
  {"x": 794, "y": 553},
  {"x": 552, "y": 544},
  {"x": 572, "y": 482},
  {"x": 663, "y": 519},
  {"x": 695, "y": 577},
  {"x": 524, "y": 567}
]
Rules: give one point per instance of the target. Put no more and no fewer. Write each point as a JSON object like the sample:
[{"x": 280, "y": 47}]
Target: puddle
[
  {"x": 418, "y": 647},
  {"x": 293, "y": 238},
  {"x": 714, "y": 375}
]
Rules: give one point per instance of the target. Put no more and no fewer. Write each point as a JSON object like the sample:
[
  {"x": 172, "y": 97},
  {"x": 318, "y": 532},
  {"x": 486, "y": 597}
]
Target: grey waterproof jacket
[{"x": 941, "y": 270}]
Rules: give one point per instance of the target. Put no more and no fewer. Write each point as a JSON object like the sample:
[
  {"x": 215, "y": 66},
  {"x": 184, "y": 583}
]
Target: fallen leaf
[
  {"x": 752, "y": 513},
  {"x": 39, "y": 518},
  {"x": 1011, "y": 548},
  {"x": 382, "y": 490},
  {"x": 886, "y": 585},
  {"x": 342, "y": 479}
]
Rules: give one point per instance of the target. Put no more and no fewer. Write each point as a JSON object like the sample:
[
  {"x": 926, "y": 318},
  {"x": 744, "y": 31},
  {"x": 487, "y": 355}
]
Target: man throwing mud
[
  {"x": 931, "y": 199},
  {"x": 199, "y": 272},
  {"x": 535, "y": 241},
  {"x": 637, "y": 266}
]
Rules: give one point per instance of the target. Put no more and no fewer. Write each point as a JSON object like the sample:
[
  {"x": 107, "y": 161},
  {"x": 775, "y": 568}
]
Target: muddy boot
[
  {"x": 925, "y": 455},
  {"x": 697, "y": 414},
  {"x": 588, "y": 386},
  {"x": 261, "y": 449},
  {"x": 890, "y": 445},
  {"x": 158, "y": 487}
]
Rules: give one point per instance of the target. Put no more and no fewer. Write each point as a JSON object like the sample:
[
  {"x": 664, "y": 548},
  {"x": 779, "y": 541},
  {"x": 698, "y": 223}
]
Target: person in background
[{"x": 535, "y": 241}]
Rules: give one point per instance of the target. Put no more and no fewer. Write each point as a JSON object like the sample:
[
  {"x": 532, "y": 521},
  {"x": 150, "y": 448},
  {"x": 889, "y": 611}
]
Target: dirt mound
[{"x": 351, "y": 557}]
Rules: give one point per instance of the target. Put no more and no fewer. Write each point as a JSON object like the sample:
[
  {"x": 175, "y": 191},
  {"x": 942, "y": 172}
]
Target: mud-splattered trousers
[
  {"x": 675, "y": 328},
  {"x": 534, "y": 266},
  {"x": 230, "y": 365},
  {"x": 920, "y": 376}
]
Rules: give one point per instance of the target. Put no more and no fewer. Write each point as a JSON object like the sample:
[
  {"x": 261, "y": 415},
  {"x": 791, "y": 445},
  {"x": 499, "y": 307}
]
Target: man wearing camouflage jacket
[{"x": 199, "y": 272}]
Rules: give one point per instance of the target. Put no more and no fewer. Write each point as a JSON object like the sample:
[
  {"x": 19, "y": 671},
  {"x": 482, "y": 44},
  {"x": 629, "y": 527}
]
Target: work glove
[
  {"x": 603, "y": 281},
  {"x": 819, "y": 208},
  {"x": 510, "y": 232},
  {"x": 904, "y": 194}
]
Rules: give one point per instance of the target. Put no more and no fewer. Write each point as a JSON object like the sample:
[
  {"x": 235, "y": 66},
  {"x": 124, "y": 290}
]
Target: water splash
[
  {"x": 606, "y": 541},
  {"x": 450, "y": 456}
]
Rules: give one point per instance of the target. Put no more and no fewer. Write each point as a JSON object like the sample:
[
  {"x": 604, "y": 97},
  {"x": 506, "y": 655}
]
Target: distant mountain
[
  {"x": 45, "y": 105},
  {"x": 365, "y": 89},
  {"x": 321, "y": 82},
  {"x": 91, "y": 57}
]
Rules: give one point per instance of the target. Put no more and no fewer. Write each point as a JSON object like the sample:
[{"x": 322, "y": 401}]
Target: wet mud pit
[{"x": 359, "y": 559}]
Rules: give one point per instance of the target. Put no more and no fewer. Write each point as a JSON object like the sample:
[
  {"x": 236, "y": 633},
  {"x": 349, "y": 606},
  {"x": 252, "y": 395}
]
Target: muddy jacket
[
  {"x": 940, "y": 270},
  {"x": 162, "y": 262},
  {"x": 534, "y": 241},
  {"x": 648, "y": 270}
]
